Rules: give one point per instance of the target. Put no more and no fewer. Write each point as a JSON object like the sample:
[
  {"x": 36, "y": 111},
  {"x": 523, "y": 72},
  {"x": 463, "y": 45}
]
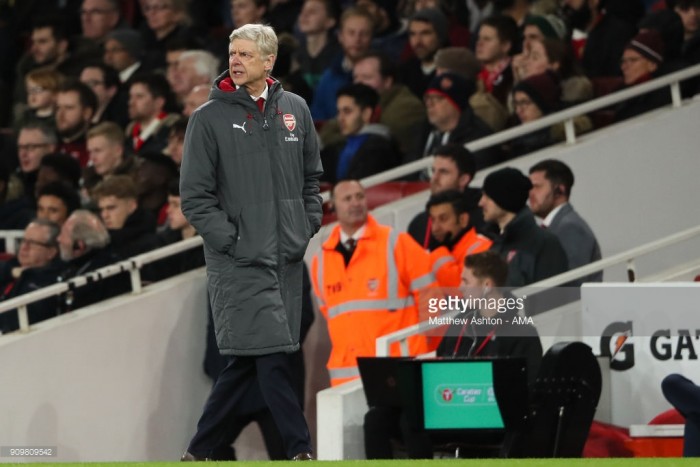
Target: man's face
[
  {"x": 117, "y": 56},
  {"x": 36, "y": 251},
  {"x": 350, "y": 116},
  {"x": 246, "y": 12},
  {"x": 440, "y": 111},
  {"x": 247, "y": 66},
  {"x": 97, "y": 18},
  {"x": 95, "y": 79},
  {"x": 160, "y": 14},
  {"x": 355, "y": 36},
  {"x": 114, "y": 211},
  {"x": 531, "y": 33},
  {"x": 65, "y": 239},
  {"x": 71, "y": 116},
  {"x": 142, "y": 105},
  {"x": 196, "y": 97},
  {"x": 350, "y": 204},
  {"x": 634, "y": 66},
  {"x": 366, "y": 71},
  {"x": 423, "y": 40},
  {"x": 45, "y": 49},
  {"x": 313, "y": 18},
  {"x": 446, "y": 176},
  {"x": 445, "y": 223},
  {"x": 32, "y": 146},
  {"x": 105, "y": 155},
  {"x": 489, "y": 48},
  {"x": 492, "y": 211},
  {"x": 470, "y": 283},
  {"x": 51, "y": 208},
  {"x": 175, "y": 143},
  {"x": 690, "y": 18},
  {"x": 172, "y": 57},
  {"x": 176, "y": 219},
  {"x": 187, "y": 77},
  {"x": 541, "y": 196}
]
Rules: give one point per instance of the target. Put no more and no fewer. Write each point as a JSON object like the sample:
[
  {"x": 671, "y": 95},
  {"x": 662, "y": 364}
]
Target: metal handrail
[
  {"x": 132, "y": 266},
  {"x": 672, "y": 79},
  {"x": 383, "y": 343}
]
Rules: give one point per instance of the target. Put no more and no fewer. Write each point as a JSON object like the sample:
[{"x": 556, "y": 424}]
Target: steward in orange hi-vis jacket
[{"x": 367, "y": 279}]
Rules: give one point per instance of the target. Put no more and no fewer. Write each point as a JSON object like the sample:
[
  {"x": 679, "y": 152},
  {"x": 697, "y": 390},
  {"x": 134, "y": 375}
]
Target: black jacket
[
  {"x": 469, "y": 128},
  {"x": 508, "y": 340},
  {"x": 411, "y": 74},
  {"x": 532, "y": 253},
  {"x": 605, "y": 45},
  {"x": 30, "y": 280},
  {"x": 94, "y": 291},
  {"x": 644, "y": 103},
  {"x": 132, "y": 239},
  {"x": 175, "y": 264}
]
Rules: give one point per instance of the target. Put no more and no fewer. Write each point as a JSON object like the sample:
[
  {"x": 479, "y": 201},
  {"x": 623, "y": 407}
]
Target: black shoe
[
  {"x": 303, "y": 456},
  {"x": 189, "y": 457}
]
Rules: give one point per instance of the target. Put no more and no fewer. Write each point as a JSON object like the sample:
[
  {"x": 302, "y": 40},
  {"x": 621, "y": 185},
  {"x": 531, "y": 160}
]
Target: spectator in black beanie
[{"x": 532, "y": 253}]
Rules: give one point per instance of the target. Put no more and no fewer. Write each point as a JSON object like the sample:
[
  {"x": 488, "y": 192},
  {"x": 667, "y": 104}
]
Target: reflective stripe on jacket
[{"x": 376, "y": 294}]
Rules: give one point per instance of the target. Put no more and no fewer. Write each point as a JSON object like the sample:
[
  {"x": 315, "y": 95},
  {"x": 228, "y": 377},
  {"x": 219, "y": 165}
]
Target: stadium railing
[
  {"x": 132, "y": 266},
  {"x": 567, "y": 116},
  {"x": 627, "y": 258}
]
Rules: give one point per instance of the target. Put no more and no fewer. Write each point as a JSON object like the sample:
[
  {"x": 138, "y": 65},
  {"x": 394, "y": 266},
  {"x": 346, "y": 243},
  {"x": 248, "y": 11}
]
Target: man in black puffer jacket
[{"x": 532, "y": 253}]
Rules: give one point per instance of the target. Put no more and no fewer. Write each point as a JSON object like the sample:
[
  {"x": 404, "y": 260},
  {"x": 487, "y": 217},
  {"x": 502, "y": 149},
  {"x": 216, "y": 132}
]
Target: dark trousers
[
  {"x": 228, "y": 398},
  {"x": 684, "y": 395}
]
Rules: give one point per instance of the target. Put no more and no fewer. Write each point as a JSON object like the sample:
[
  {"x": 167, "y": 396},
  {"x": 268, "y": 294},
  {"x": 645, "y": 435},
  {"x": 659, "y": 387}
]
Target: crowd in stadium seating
[
  {"x": 96, "y": 93},
  {"x": 95, "y": 97}
]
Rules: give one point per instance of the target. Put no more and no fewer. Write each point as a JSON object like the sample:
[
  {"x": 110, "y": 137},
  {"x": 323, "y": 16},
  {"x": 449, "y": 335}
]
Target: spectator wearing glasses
[
  {"x": 35, "y": 140},
  {"x": 451, "y": 119},
  {"x": 42, "y": 86},
  {"x": 640, "y": 62},
  {"x": 35, "y": 266}
]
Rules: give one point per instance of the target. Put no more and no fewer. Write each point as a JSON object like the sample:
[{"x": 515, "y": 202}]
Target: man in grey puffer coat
[{"x": 249, "y": 185}]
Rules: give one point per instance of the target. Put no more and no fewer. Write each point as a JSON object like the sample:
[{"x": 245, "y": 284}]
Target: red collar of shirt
[{"x": 227, "y": 84}]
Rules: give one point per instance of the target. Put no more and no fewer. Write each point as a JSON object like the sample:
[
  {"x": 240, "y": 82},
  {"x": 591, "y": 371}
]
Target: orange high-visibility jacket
[
  {"x": 376, "y": 294},
  {"x": 447, "y": 266}
]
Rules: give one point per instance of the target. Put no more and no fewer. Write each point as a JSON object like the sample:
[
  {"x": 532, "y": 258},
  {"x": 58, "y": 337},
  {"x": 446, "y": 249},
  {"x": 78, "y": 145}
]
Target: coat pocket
[{"x": 294, "y": 230}]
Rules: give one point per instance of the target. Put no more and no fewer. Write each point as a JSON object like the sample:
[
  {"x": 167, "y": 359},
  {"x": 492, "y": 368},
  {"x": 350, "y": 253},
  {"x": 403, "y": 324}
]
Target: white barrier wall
[{"x": 120, "y": 381}]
